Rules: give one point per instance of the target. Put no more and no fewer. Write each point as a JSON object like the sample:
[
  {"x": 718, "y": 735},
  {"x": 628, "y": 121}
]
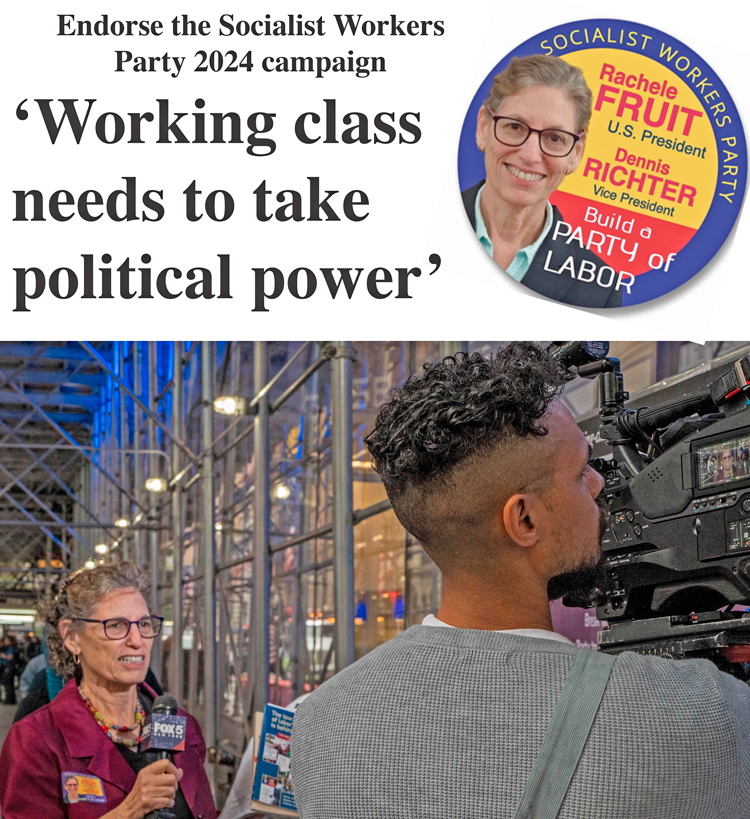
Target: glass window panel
[
  {"x": 378, "y": 368},
  {"x": 283, "y": 655},
  {"x": 423, "y": 584},
  {"x": 237, "y": 616},
  {"x": 317, "y": 551},
  {"x": 299, "y": 434},
  {"x": 379, "y": 553},
  {"x": 317, "y": 661},
  {"x": 192, "y": 644}
]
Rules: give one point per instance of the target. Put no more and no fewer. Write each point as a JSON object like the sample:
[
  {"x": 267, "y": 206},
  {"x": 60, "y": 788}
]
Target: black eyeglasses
[
  {"x": 118, "y": 627},
  {"x": 515, "y": 132}
]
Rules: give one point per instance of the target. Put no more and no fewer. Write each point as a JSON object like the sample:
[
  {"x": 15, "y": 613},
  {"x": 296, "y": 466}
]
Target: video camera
[{"x": 677, "y": 545}]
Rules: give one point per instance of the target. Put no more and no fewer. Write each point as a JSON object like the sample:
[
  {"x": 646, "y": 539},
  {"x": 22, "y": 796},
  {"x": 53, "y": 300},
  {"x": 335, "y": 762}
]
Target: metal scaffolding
[
  {"x": 274, "y": 555},
  {"x": 84, "y": 428}
]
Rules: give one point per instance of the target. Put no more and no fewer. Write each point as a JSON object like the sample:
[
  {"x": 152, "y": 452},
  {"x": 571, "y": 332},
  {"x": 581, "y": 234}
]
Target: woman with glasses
[
  {"x": 101, "y": 639},
  {"x": 532, "y": 131}
]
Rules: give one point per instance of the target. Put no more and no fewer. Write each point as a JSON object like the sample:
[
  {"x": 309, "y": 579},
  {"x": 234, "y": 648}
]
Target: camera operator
[{"x": 488, "y": 470}]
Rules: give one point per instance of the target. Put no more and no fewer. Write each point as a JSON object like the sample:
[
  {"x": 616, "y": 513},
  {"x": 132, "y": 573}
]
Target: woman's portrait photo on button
[
  {"x": 531, "y": 130},
  {"x": 594, "y": 168}
]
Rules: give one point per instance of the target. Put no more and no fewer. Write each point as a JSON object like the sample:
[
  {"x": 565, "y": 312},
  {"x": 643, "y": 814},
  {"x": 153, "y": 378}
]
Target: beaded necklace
[{"x": 108, "y": 729}]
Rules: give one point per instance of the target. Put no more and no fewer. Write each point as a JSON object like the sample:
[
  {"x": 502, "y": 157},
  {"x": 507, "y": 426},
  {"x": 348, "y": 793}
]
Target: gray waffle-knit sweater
[{"x": 446, "y": 723}]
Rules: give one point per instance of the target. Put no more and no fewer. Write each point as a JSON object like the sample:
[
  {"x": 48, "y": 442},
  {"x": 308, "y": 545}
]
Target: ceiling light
[
  {"x": 156, "y": 485},
  {"x": 230, "y": 405}
]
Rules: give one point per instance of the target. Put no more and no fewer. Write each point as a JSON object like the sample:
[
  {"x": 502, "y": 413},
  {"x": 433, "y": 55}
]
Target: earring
[{"x": 76, "y": 658}]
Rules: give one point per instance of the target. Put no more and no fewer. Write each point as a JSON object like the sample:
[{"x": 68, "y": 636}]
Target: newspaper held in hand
[
  {"x": 240, "y": 804},
  {"x": 272, "y": 784}
]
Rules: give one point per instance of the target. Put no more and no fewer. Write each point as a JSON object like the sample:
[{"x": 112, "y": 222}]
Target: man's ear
[
  {"x": 521, "y": 518},
  {"x": 70, "y": 638}
]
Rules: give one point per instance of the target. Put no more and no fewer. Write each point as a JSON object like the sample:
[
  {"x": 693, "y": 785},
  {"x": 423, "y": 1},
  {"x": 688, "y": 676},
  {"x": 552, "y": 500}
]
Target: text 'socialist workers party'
[{"x": 653, "y": 181}]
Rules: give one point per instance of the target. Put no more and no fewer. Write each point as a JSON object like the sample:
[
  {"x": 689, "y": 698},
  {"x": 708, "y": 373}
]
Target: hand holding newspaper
[{"x": 264, "y": 785}]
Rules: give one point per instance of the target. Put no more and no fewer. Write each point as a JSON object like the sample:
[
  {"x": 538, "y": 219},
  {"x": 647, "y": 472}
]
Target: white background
[{"x": 415, "y": 205}]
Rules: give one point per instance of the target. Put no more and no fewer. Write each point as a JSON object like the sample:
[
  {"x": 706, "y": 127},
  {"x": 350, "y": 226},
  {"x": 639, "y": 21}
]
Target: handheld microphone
[{"x": 164, "y": 734}]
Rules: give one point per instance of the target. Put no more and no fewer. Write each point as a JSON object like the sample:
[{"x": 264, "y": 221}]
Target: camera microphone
[
  {"x": 574, "y": 354},
  {"x": 164, "y": 733}
]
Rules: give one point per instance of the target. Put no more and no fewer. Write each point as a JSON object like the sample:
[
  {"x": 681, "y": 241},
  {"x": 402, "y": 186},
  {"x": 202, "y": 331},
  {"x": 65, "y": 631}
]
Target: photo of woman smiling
[{"x": 532, "y": 132}]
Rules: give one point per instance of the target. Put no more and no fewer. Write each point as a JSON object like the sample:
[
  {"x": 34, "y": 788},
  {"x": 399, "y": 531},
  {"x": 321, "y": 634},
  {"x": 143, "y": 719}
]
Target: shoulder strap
[{"x": 567, "y": 734}]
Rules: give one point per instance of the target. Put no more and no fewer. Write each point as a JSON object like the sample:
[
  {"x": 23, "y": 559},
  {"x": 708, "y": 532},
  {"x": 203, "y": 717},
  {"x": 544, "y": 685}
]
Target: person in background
[
  {"x": 8, "y": 661},
  {"x": 36, "y": 665},
  {"x": 33, "y": 647}
]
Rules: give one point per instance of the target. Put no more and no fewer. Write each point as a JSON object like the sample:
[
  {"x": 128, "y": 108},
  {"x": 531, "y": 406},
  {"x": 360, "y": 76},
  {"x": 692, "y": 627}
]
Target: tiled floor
[{"x": 6, "y": 720}]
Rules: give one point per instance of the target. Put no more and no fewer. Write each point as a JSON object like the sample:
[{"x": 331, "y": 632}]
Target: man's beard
[{"x": 582, "y": 587}]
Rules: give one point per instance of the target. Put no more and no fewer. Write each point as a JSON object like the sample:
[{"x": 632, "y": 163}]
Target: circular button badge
[{"x": 602, "y": 163}]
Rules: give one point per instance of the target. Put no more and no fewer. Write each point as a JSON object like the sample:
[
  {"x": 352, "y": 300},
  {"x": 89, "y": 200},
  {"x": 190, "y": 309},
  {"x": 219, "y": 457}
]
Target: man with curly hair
[{"x": 489, "y": 471}]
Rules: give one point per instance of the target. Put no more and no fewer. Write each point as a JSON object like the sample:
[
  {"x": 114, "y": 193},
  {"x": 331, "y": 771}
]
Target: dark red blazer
[{"x": 63, "y": 736}]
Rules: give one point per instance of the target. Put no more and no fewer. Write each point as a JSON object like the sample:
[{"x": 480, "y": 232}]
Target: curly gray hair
[{"x": 79, "y": 595}]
